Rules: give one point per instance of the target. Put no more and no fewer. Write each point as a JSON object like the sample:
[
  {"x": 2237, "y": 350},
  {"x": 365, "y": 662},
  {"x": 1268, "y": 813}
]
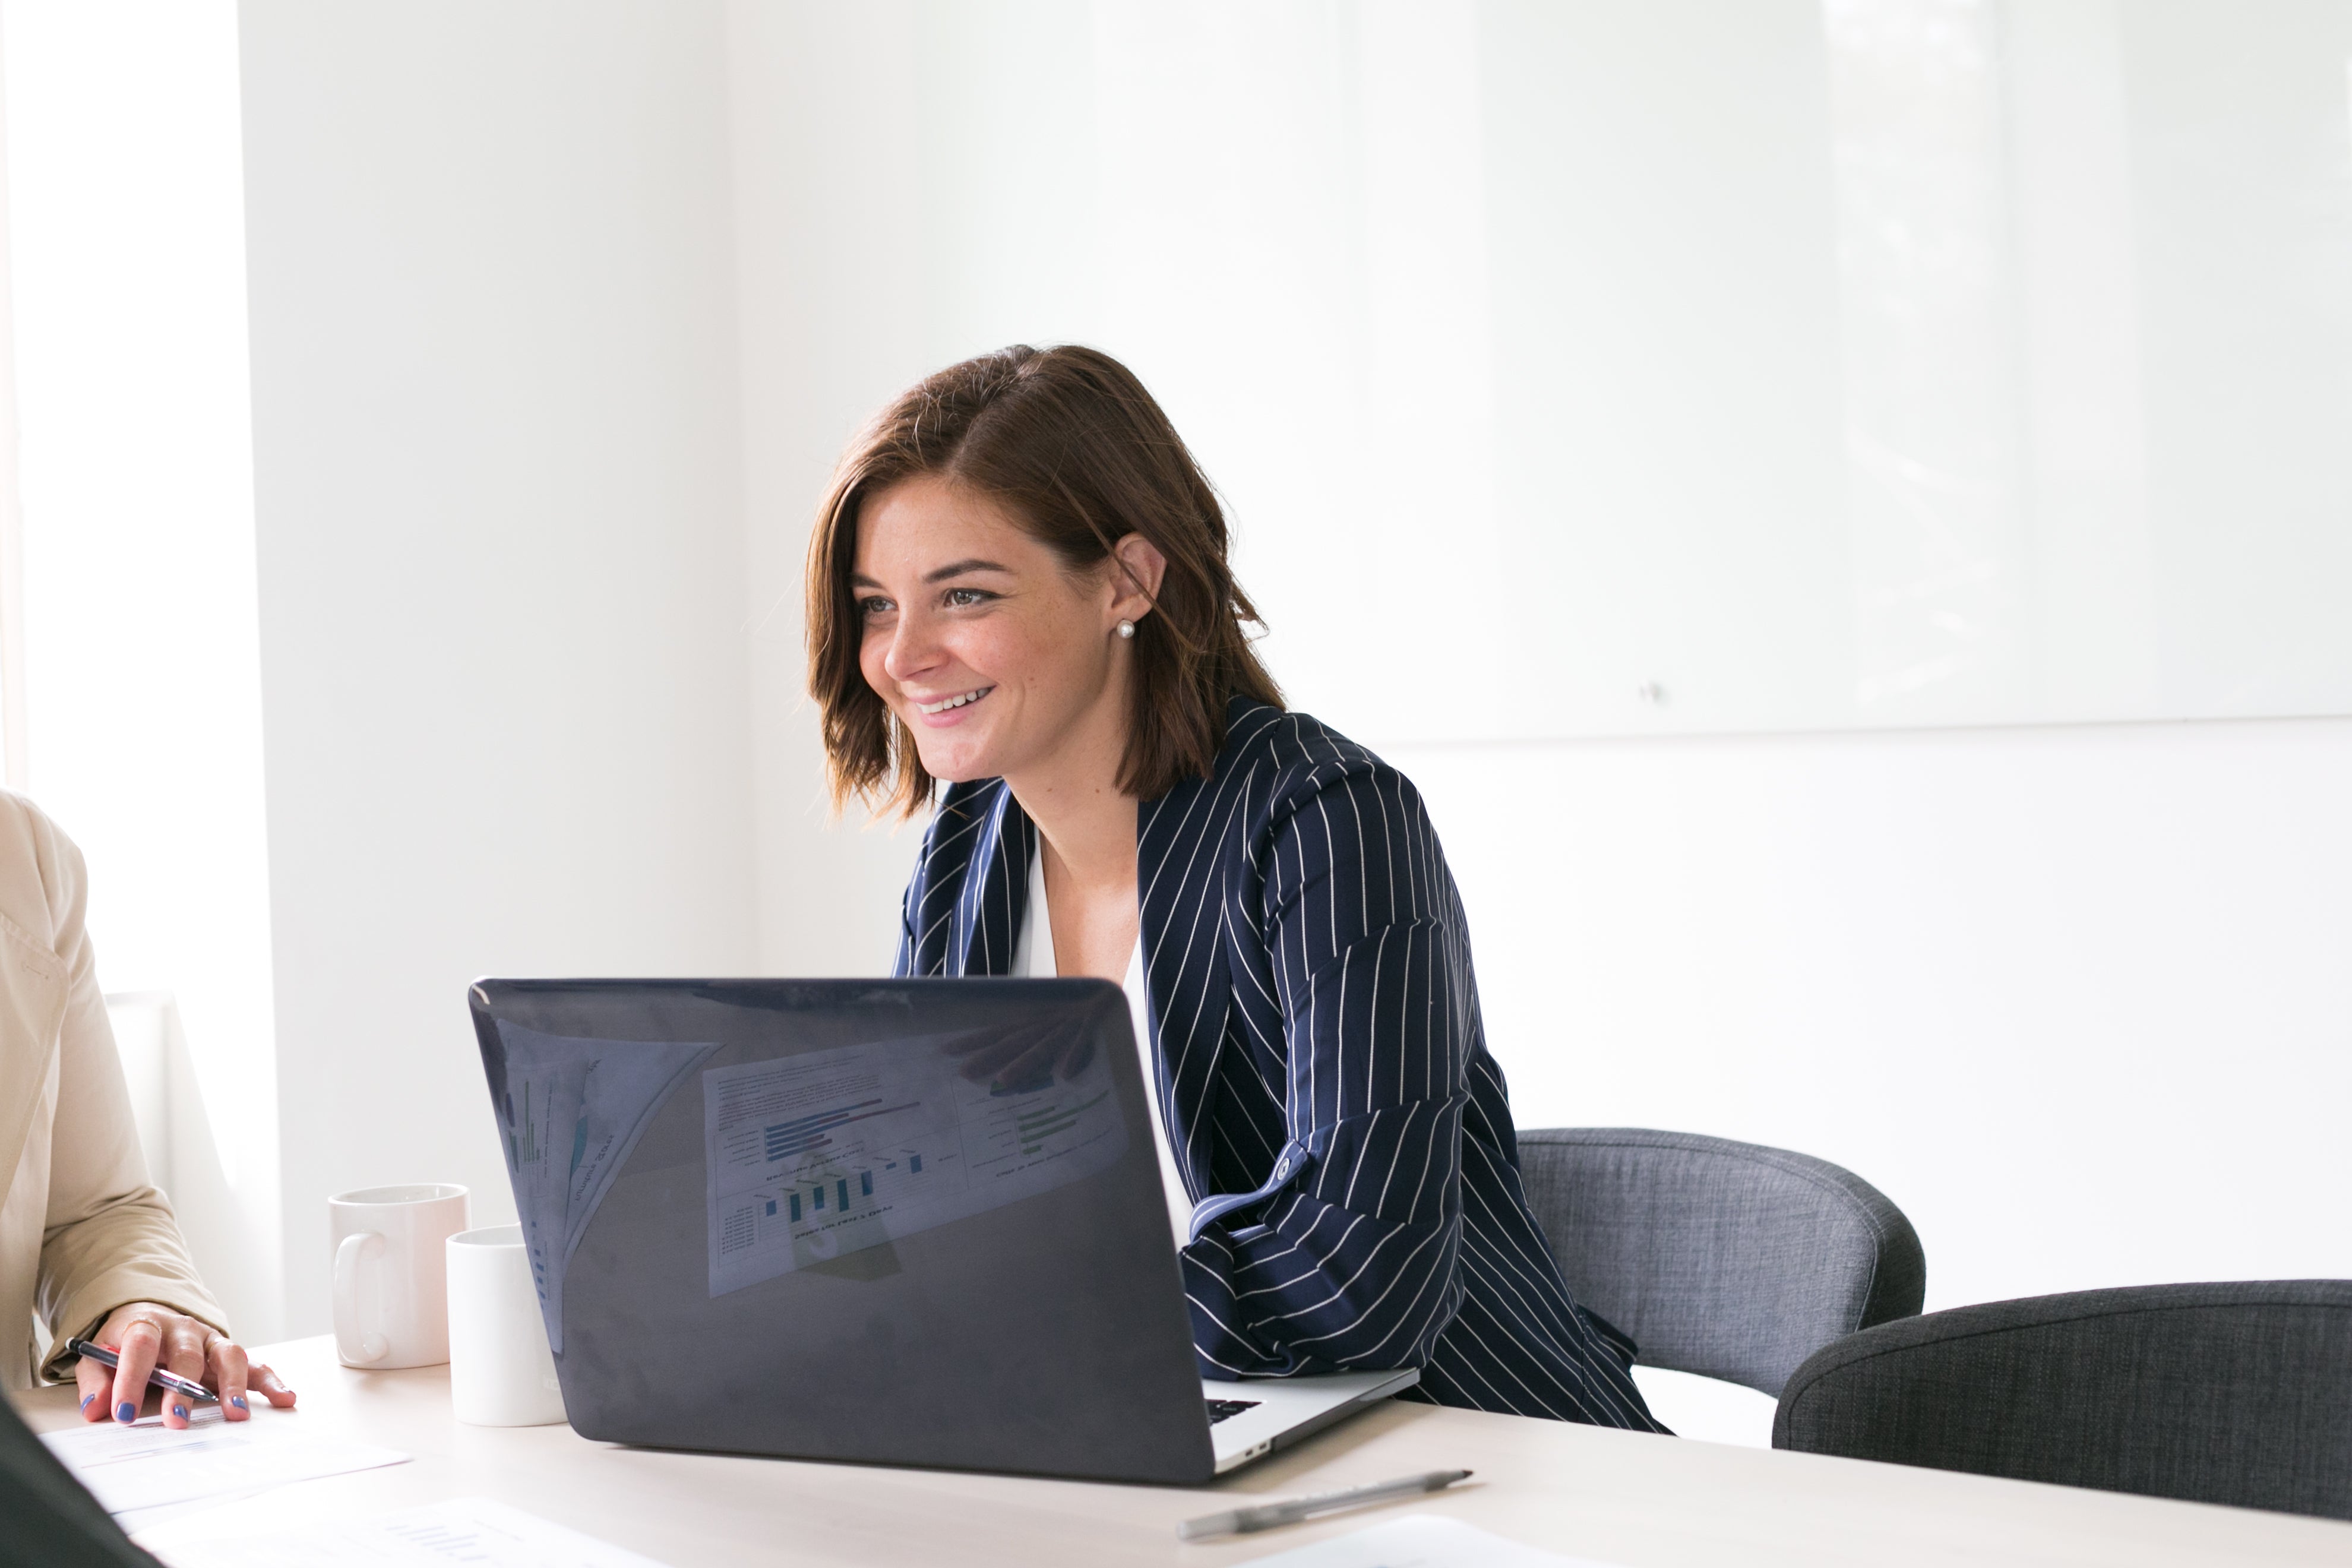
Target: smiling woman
[
  {"x": 1065, "y": 454},
  {"x": 1018, "y": 587}
]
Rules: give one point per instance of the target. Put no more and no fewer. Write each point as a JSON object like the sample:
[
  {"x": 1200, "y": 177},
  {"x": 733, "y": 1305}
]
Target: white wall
[
  {"x": 501, "y": 529},
  {"x": 2072, "y": 996},
  {"x": 816, "y": 360},
  {"x": 1828, "y": 362},
  {"x": 2076, "y": 998},
  {"x": 560, "y": 315},
  {"x": 143, "y": 717}
]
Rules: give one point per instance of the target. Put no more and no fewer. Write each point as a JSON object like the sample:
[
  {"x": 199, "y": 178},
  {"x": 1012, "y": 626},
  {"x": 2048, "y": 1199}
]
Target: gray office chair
[
  {"x": 2227, "y": 1394},
  {"x": 1727, "y": 1259}
]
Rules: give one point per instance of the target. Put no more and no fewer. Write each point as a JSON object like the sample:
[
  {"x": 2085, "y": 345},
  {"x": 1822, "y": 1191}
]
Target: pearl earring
[{"x": 1127, "y": 628}]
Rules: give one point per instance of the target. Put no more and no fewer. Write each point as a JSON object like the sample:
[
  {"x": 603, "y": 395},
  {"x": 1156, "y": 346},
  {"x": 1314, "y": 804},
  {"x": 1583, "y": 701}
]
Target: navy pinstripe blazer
[{"x": 1320, "y": 1063}]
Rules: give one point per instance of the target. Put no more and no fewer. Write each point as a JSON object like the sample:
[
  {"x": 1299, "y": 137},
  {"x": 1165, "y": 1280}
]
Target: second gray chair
[
  {"x": 2236, "y": 1394},
  {"x": 1731, "y": 1261}
]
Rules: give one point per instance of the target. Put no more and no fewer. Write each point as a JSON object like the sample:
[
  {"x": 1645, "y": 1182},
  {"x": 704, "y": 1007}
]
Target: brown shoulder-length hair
[{"x": 1070, "y": 443}]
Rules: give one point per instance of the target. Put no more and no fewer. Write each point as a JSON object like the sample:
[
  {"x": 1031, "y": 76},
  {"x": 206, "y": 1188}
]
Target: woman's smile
[{"x": 949, "y": 709}]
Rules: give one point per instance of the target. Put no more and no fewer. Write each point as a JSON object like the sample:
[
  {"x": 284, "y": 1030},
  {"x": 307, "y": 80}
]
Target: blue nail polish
[
  {"x": 126, "y": 1411},
  {"x": 237, "y": 1400},
  {"x": 86, "y": 1399},
  {"x": 181, "y": 1411}
]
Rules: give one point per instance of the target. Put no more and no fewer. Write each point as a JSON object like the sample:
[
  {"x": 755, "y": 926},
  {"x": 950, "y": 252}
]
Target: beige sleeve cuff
[{"x": 130, "y": 1252}]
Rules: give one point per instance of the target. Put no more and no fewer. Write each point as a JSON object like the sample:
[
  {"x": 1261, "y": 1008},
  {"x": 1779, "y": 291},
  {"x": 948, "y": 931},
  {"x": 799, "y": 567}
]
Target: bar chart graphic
[{"x": 827, "y": 1153}]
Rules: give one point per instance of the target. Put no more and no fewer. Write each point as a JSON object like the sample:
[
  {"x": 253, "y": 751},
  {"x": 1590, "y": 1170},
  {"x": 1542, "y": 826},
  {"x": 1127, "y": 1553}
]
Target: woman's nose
[{"x": 913, "y": 650}]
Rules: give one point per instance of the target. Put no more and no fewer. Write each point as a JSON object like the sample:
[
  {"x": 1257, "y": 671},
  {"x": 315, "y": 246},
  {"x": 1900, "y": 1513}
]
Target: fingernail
[
  {"x": 237, "y": 1400},
  {"x": 86, "y": 1399},
  {"x": 126, "y": 1411},
  {"x": 181, "y": 1411}
]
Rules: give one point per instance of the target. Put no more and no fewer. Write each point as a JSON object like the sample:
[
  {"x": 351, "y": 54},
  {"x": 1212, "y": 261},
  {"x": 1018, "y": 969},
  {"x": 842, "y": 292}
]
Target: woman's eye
[
  {"x": 874, "y": 606},
  {"x": 962, "y": 598}
]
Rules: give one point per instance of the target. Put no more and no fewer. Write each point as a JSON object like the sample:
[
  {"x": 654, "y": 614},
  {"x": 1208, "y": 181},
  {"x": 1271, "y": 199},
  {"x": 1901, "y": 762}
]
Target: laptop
[{"x": 912, "y": 1222}]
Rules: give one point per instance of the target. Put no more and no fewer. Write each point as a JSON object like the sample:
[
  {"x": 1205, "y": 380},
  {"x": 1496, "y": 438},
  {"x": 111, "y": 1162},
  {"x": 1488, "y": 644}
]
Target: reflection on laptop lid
[{"x": 904, "y": 1222}]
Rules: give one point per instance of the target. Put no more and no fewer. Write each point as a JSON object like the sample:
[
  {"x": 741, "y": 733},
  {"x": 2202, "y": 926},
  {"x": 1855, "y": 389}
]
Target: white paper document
[
  {"x": 1421, "y": 1541},
  {"x": 831, "y": 1151},
  {"x": 474, "y": 1531},
  {"x": 133, "y": 1470}
]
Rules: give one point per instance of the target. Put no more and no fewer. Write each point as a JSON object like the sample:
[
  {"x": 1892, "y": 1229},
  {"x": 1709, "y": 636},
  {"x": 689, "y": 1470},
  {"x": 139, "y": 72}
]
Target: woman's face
[{"x": 997, "y": 659}]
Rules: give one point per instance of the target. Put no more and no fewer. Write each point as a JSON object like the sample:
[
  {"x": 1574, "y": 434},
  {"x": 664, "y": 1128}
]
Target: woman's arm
[
  {"x": 108, "y": 1238},
  {"x": 1351, "y": 1263}
]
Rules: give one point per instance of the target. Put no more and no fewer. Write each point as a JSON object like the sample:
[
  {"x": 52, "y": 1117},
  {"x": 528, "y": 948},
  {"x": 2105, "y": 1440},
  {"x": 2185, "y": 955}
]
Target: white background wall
[
  {"x": 501, "y": 547},
  {"x": 558, "y": 314},
  {"x": 810, "y": 372},
  {"x": 142, "y": 732},
  {"x": 2074, "y": 995},
  {"x": 2076, "y": 998},
  {"x": 1825, "y": 363}
]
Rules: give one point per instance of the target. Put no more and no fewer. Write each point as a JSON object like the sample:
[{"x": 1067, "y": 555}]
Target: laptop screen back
[{"x": 914, "y": 1222}]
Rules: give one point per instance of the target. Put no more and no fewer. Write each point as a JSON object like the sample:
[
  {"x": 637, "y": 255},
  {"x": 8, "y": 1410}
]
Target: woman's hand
[{"x": 146, "y": 1336}]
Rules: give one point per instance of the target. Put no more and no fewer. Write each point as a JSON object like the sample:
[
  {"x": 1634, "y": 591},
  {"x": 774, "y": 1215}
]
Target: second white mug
[
  {"x": 391, "y": 1284},
  {"x": 500, "y": 1373}
]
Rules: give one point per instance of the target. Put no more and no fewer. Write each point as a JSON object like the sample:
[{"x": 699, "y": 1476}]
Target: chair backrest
[
  {"x": 1732, "y": 1260},
  {"x": 2227, "y": 1394}
]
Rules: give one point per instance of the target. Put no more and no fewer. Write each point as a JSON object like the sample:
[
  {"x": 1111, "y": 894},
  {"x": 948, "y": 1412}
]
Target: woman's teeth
[{"x": 942, "y": 707}]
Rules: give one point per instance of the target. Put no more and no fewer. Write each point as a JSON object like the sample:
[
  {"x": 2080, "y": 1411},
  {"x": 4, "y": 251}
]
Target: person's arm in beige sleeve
[{"x": 113, "y": 1267}]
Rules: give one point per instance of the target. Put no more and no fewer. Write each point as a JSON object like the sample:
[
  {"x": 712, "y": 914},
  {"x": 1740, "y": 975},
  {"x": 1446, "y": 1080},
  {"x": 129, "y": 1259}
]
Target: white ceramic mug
[
  {"x": 500, "y": 1374},
  {"x": 392, "y": 1296}
]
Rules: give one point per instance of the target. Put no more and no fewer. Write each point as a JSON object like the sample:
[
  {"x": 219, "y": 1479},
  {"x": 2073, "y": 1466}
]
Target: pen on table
[
  {"x": 1266, "y": 1516},
  {"x": 157, "y": 1375}
]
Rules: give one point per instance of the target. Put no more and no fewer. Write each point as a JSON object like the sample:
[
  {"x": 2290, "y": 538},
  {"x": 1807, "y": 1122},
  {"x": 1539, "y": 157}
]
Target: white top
[{"x": 1033, "y": 955}]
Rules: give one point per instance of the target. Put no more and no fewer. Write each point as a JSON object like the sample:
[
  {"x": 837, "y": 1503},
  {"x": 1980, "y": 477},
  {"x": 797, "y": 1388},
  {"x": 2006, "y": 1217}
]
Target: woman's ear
[{"x": 1137, "y": 566}]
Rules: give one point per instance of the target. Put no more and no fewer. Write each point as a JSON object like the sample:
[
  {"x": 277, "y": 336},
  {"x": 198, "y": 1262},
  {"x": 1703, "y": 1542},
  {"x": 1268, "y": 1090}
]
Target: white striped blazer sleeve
[{"x": 1357, "y": 1263}]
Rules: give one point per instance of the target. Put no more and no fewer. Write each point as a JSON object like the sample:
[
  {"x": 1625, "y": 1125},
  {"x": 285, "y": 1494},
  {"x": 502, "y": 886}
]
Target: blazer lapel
[
  {"x": 996, "y": 890},
  {"x": 1179, "y": 884}
]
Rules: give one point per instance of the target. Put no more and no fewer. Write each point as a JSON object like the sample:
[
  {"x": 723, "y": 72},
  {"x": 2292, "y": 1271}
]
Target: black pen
[
  {"x": 156, "y": 1375},
  {"x": 1266, "y": 1515}
]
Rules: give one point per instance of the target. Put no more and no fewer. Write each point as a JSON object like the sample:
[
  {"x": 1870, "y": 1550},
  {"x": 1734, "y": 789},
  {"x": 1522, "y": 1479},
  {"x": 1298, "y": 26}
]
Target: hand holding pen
[{"x": 144, "y": 1345}]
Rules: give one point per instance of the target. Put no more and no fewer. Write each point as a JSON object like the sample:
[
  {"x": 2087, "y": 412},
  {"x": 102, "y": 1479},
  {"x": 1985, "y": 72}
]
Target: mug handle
[{"x": 356, "y": 1348}]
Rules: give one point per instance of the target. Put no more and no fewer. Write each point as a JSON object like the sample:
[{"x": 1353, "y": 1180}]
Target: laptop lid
[{"x": 902, "y": 1222}]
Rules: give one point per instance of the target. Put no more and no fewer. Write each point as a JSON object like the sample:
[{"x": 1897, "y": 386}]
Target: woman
[
  {"x": 1018, "y": 587},
  {"x": 88, "y": 1248}
]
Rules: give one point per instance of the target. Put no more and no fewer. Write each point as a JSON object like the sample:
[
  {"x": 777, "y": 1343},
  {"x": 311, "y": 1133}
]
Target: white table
[{"x": 1615, "y": 1496}]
